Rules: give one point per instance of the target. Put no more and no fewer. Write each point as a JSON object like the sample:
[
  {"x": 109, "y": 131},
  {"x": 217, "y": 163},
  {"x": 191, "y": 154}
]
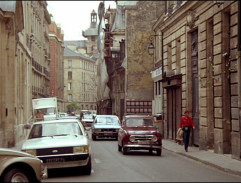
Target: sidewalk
[{"x": 221, "y": 161}]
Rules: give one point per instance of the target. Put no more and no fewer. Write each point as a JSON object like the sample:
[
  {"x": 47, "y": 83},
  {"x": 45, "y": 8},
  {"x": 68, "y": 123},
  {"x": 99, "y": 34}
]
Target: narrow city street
[{"x": 109, "y": 165}]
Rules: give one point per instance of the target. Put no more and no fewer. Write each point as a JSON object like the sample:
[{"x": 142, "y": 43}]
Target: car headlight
[
  {"x": 132, "y": 138},
  {"x": 30, "y": 151},
  {"x": 81, "y": 149},
  {"x": 154, "y": 138}
]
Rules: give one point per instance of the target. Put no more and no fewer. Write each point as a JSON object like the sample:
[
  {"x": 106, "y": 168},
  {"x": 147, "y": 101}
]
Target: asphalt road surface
[{"x": 110, "y": 165}]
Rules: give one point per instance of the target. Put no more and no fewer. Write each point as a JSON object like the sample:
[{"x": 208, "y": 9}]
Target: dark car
[
  {"x": 105, "y": 126},
  {"x": 139, "y": 133}
]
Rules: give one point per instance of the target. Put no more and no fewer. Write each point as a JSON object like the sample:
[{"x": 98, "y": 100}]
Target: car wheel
[
  {"x": 17, "y": 175},
  {"x": 93, "y": 137},
  {"x": 124, "y": 150},
  {"x": 119, "y": 148},
  {"x": 158, "y": 152},
  {"x": 87, "y": 168}
]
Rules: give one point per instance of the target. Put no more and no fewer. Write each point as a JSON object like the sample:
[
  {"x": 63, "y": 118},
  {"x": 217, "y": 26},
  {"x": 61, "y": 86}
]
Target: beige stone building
[
  {"x": 11, "y": 23},
  {"x": 22, "y": 65},
  {"x": 39, "y": 46},
  {"x": 196, "y": 42},
  {"x": 79, "y": 80}
]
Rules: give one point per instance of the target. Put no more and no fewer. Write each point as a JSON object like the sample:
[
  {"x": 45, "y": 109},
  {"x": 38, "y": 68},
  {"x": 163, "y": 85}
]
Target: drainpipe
[
  {"x": 162, "y": 85},
  {"x": 239, "y": 69}
]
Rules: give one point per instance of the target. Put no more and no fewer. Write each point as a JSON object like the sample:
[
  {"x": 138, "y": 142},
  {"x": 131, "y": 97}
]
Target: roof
[
  {"x": 57, "y": 121},
  {"x": 77, "y": 43},
  {"x": 105, "y": 115},
  {"x": 138, "y": 116},
  {"x": 90, "y": 32},
  {"x": 69, "y": 53}
]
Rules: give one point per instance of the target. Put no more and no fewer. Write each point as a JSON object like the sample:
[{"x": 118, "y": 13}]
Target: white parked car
[{"x": 59, "y": 144}]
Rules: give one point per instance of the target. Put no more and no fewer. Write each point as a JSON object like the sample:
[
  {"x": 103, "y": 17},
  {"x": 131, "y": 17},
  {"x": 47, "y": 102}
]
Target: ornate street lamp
[{"x": 151, "y": 49}]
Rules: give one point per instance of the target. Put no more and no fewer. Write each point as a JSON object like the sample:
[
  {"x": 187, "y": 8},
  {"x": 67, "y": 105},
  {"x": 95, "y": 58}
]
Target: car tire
[
  {"x": 158, "y": 152},
  {"x": 124, "y": 149},
  {"x": 87, "y": 168},
  {"x": 18, "y": 175},
  {"x": 93, "y": 137},
  {"x": 119, "y": 148}
]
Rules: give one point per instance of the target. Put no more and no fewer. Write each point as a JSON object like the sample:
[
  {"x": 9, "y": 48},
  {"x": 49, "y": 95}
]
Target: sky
[{"x": 74, "y": 16}]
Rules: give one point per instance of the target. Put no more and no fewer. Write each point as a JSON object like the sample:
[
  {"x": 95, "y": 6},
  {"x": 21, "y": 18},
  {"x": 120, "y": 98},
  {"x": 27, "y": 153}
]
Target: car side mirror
[{"x": 27, "y": 127}]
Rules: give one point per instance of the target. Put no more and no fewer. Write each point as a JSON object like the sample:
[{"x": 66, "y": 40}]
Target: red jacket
[{"x": 186, "y": 121}]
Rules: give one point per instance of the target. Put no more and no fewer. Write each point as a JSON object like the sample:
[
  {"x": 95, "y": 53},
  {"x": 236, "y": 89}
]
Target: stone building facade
[
  {"x": 79, "y": 80},
  {"x": 11, "y": 23},
  {"x": 38, "y": 33},
  {"x": 56, "y": 50},
  {"x": 23, "y": 62},
  {"x": 198, "y": 49},
  {"x": 126, "y": 55}
]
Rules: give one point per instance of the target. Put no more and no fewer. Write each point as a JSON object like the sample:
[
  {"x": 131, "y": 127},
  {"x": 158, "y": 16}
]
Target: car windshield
[
  {"x": 139, "y": 122},
  {"x": 108, "y": 120},
  {"x": 87, "y": 116},
  {"x": 55, "y": 129}
]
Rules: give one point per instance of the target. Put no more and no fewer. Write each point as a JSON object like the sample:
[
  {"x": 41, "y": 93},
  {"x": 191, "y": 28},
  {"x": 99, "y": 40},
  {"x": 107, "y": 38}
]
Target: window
[
  {"x": 69, "y": 75},
  {"x": 69, "y": 63},
  {"x": 70, "y": 98},
  {"x": 69, "y": 86},
  {"x": 94, "y": 18}
]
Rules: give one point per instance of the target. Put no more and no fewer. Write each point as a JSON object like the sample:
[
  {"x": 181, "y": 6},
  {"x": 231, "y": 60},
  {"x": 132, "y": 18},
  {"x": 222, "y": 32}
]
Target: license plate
[
  {"x": 53, "y": 160},
  {"x": 143, "y": 142},
  {"x": 107, "y": 134}
]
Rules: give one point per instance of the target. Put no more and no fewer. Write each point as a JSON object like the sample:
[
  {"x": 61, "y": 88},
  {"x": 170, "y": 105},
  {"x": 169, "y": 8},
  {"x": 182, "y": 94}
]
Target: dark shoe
[{"x": 186, "y": 150}]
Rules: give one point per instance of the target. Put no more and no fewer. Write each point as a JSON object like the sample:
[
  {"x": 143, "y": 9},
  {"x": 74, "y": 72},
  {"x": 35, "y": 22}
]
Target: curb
[{"x": 207, "y": 163}]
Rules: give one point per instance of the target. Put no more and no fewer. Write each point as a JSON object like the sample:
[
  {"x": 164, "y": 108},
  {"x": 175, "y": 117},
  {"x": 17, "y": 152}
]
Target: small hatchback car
[
  {"x": 139, "y": 133},
  {"x": 17, "y": 166}
]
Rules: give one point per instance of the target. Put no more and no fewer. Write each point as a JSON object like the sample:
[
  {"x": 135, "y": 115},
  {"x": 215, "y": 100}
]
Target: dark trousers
[{"x": 186, "y": 134}]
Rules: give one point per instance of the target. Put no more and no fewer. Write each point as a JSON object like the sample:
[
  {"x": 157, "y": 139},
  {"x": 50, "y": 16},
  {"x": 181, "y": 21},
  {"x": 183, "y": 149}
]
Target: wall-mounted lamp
[
  {"x": 151, "y": 47},
  {"x": 191, "y": 18},
  {"x": 219, "y": 3}
]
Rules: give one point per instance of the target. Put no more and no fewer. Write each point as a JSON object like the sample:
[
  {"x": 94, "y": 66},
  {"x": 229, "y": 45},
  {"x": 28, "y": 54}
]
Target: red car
[{"x": 138, "y": 132}]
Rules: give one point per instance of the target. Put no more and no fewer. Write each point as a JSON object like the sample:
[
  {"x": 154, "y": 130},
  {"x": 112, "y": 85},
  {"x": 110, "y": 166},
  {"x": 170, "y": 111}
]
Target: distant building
[
  {"x": 92, "y": 34},
  {"x": 79, "y": 80},
  {"x": 56, "y": 44}
]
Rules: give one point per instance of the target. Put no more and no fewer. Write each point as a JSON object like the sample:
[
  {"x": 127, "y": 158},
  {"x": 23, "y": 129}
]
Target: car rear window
[
  {"x": 55, "y": 129},
  {"x": 139, "y": 122}
]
